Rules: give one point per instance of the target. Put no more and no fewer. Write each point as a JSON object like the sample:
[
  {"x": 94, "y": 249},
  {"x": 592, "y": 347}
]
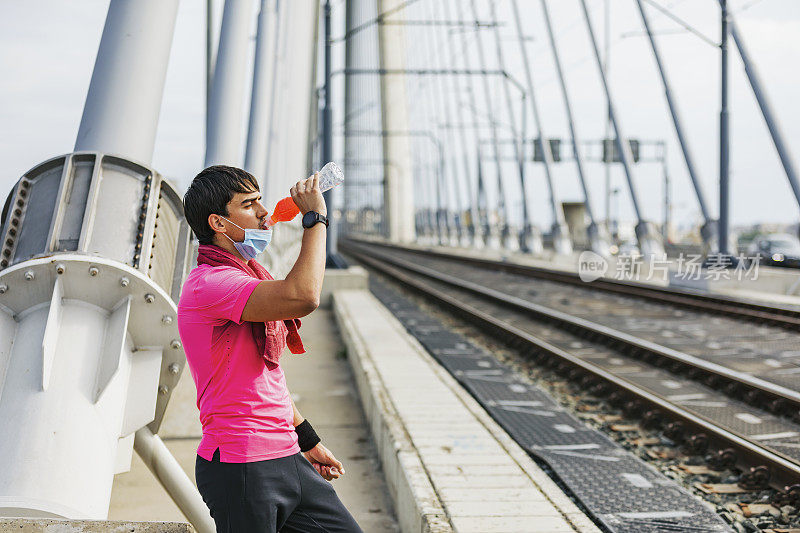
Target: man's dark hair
[{"x": 210, "y": 192}]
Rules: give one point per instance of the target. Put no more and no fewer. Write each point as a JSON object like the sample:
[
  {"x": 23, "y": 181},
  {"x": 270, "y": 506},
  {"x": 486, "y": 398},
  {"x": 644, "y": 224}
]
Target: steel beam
[
  {"x": 530, "y": 238},
  {"x": 707, "y": 231},
  {"x": 209, "y": 52},
  {"x": 561, "y": 240},
  {"x": 649, "y": 241},
  {"x": 724, "y": 141},
  {"x": 597, "y": 238},
  {"x": 501, "y": 195},
  {"x": 120, "y": 116},
  {"x": 255, "y": 159},
  {"x": 449, "y": 175},
  {"x": 333, "y": 259},
  {"x": 488, "y": 235},
  {"x": 472, "y": 226},
  {"x": 224, "y": 132},
  {"x": 766, "y": 109}
]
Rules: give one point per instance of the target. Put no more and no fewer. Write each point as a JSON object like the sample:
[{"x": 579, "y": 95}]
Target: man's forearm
[
  {"x": 309, "y": 269},
  {"x": 307, "y": 438},
  {"x": 298, "y": 418}
]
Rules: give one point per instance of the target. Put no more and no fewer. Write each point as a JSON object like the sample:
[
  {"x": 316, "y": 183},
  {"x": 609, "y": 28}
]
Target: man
[{"x": 234, "y": 322}]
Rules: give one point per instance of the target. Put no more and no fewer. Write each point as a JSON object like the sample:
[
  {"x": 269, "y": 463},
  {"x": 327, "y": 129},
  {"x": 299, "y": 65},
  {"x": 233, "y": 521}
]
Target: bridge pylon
[{"x": 95, "y": 247}]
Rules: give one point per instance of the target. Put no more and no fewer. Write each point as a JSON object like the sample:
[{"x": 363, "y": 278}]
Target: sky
[{"x": 48, "y": 47}]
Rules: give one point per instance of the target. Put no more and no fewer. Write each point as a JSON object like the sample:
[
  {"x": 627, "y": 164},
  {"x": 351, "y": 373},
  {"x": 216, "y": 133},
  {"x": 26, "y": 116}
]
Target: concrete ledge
[
  {"x": 354, "y": 277},
  {"x": 49, "y": 525},
  {"x": 448, "y": 465}
]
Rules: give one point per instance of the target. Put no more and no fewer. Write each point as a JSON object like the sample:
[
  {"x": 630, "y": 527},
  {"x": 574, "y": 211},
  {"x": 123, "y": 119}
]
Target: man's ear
[{"x": 215, "y": 222}]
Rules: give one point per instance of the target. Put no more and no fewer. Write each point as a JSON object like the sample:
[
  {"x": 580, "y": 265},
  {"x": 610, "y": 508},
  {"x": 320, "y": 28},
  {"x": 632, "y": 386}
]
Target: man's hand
[
  {"x": 324, "y": 462},
  {"x": 307, "y": 197}
]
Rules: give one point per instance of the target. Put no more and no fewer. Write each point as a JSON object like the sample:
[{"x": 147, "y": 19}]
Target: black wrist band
[{"x": 307, "y": 438}]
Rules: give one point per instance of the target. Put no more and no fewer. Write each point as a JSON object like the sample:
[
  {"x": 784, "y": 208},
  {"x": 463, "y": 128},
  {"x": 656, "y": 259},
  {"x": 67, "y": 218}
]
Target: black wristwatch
[{"x": 312, "y": 217}]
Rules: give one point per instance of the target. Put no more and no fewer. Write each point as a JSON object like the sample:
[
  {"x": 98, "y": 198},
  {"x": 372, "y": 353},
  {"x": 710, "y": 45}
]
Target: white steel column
[
  {"x": 224, "y": 131},
  {"x": 89, "y": 346},
  {"x": 289, "y": 121},
  {"x": 124, "y": 99},
  {"x": 255, "y": 159},
  {"x": 398, "y": 196}
]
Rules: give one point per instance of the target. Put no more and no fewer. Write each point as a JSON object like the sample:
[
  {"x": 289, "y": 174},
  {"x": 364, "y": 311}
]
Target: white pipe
[{"x": 169, "y": 473}]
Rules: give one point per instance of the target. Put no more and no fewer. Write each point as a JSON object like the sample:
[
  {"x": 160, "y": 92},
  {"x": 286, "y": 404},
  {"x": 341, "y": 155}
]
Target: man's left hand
[{"x": 324, "y": 462}]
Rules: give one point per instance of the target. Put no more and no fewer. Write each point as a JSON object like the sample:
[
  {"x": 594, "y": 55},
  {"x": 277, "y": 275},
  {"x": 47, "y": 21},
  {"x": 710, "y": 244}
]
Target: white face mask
[{"x": 255, "y": 241}]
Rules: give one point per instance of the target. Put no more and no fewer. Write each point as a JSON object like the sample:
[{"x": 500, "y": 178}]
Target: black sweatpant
[{"x": 285, "y": 495}]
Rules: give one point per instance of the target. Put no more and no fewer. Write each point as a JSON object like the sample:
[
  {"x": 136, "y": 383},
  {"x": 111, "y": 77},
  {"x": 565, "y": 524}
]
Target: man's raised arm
[{"x": 298, "y": 294}]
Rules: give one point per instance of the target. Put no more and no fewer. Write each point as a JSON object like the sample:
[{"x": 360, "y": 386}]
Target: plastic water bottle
[{"x": 329, "y": 177}]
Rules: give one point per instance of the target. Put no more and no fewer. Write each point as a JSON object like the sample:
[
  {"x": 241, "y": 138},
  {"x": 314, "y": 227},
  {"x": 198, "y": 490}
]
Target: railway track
[
  {"x": 782, "y": 316},
  {"x": 730, "y": 417}
]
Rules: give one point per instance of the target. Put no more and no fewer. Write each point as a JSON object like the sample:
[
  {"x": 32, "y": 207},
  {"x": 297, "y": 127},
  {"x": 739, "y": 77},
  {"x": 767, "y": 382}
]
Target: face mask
[{"x": 255, "y": 241}]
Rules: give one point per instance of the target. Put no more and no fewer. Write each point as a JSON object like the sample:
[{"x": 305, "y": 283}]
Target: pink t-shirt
[{"x": 245, "y": 409}]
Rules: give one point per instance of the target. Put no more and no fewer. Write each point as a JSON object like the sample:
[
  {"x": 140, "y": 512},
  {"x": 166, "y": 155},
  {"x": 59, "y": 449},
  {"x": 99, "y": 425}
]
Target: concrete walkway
[
  {"x": 451, "y": 467},
  {"x": 322, "y": 386},
  {"x": 323, "y": 389}
]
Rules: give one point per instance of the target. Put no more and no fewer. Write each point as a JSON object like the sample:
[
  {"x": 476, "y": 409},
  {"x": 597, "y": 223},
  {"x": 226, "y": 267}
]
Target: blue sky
[{"x": 47, "y": 51}]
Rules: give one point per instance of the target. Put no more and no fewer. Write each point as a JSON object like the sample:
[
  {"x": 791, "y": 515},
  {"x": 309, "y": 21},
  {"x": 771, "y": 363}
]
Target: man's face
[{"x": 245, "y": 210}]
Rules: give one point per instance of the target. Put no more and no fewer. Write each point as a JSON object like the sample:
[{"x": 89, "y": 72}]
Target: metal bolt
[
  {"x": 163, "y": 389},
  {"x": 124, "y": 281},
  {"x": 29, "y": 275},
  {"x": 175, "y": 344},
  {"x": 174, "y": 368},
  {"x": 93, "y": 271},
  {"x": 60, "y": 268},
  {"x": 3, "y": 288},
  {"x": 166, "y": 320},
  {"x": 149, "y": 298}
]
